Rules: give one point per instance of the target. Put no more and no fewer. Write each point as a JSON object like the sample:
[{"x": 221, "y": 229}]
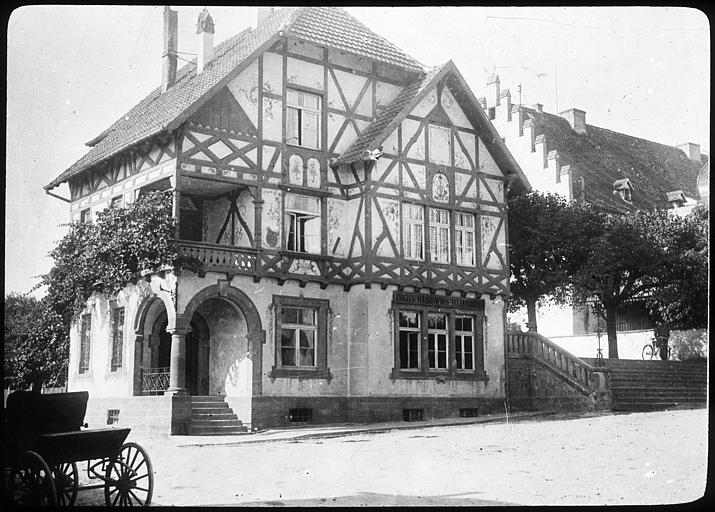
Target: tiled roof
[
  {"x": 601, "y": 157},
  {"x": 370, "y": 138},
  {"x": 158, "y": 112}
]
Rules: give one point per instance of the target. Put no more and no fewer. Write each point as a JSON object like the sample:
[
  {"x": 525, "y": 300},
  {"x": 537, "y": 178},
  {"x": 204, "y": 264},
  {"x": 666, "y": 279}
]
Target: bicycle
[{"x": 658, "y": 347}]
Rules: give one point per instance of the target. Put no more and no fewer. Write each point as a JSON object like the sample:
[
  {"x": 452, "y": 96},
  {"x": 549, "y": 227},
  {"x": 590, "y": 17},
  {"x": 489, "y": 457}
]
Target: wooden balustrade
[{"x": 532, "y": 344}]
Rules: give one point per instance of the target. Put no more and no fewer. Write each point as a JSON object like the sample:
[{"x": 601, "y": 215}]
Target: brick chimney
[
  {"x": 576, "y": 118},
  {"x": 205, "y": 31},
  {"x": 171, "y": 42},
  {"x": 692, "y": 151},
  {"x": 263, "y": 13},
  {"x": 539, "y": 107}
]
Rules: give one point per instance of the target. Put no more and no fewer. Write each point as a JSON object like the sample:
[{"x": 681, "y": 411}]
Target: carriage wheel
[
  {"x": 31, "y": 482},
  {"x": 66, "y": 482},
  {"x": 129, "y": 479}
]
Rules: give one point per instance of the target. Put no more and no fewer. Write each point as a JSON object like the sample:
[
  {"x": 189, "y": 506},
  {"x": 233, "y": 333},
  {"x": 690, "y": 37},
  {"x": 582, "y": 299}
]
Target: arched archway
[
  {"x": 255, "y": 335},
  {"x": 152, "y": 348}
]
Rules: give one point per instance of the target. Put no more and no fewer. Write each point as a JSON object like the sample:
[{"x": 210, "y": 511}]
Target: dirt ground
[{"x": 615, "y": 459}]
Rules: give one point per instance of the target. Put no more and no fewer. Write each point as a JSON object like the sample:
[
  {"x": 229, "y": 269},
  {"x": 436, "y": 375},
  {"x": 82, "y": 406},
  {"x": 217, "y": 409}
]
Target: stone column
[{"x": 177, "y": 370}]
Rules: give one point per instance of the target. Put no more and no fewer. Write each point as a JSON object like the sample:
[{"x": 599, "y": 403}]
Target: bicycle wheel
[{"x": 647, "y": 353}]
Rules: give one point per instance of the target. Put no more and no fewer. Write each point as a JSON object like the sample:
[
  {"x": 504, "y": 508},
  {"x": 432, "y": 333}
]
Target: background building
[{"x": 615, "y": 172}]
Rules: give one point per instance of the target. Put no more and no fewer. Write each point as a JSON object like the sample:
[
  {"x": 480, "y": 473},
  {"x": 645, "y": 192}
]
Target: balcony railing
[
  {"x": 307, "y": 267},
  {"x": 154, "y": 381},
  {"x": 220, "y": 257}
]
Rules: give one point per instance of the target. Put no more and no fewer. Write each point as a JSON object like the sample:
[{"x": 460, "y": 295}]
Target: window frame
[
  {"x": 398, "y": 341},
  {"x": 85, "y": 344},
  {"x": 409, "y": 223},
  {"x": 435, "y": 242},
  {"x": 423, "y": 371},
  {"x": 463, "y": 231},
  {"x": 301, "y": 218},
  {"x": 85, "y": 216},
  {"x": 300, "y": 109},
  {"x": 320, "y": 370},
  {"x": 116, "y": 355}
]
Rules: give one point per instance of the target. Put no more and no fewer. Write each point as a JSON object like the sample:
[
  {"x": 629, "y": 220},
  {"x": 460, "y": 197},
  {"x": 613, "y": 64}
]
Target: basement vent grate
[
  {"x": 112, "y": 416},
  {"x": 300, "y": 415},
  {"x": 471, "y": 412},
  {"x": 412, "y": 414}
]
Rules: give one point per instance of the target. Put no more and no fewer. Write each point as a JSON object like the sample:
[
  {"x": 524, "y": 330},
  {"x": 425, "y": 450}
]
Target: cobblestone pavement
[{"x": 614, "y": 459}]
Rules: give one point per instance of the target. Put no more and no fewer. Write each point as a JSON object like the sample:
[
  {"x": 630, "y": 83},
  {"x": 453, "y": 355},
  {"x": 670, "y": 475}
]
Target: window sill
[
  {"x": 300, "y": 374},
  {"x": 398, "y": 373}
]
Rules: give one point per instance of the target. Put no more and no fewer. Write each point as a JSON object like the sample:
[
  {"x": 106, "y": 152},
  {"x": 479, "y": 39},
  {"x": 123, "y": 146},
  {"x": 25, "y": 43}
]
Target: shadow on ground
[{"x": 367, "y": 499}]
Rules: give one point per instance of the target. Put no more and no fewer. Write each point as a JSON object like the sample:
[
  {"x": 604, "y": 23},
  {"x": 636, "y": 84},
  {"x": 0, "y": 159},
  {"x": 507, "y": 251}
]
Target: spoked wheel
[
  {"x": 66, "y": 482},
  {"x": 647, "y": 353},
  {"x": 129, "y": 479},
  {"x": 30, "y": 482}
]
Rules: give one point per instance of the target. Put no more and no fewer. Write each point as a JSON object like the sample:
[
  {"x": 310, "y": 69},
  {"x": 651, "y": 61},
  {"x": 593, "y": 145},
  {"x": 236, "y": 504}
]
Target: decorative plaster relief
[
  {"x": 272, "y": 218},
  {"x": 455, "y": 113},
  {"x": 391, "y": 211},
  {"x": 272, "y": 119},
  {"x": 440, "y": 188},
  {"x": 295, "y": 170},
  {"x": 272, "y": 72},
  {"x": 305, "y": 267},
  {"x": 486, "y": 162},
  {"x": 313, "y": 173},
  {"x": 337, "y": 241}
]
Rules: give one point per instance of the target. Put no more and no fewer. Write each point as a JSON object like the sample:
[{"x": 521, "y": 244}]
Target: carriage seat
[{"x": 43, "y": 414}]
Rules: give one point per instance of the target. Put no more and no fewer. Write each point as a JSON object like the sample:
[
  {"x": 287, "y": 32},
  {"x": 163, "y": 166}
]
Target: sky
[{"x": 73, "y": 70}]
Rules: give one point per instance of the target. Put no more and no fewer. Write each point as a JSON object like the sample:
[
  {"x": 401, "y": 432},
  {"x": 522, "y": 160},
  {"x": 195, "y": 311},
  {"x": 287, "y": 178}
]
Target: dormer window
[
  {"x": 624, "y": 189},
  {"x": 676, "y": 198}
]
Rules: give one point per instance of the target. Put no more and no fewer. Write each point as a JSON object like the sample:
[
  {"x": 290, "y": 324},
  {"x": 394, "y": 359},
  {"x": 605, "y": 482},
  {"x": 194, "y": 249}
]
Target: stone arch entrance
[{"x": 234, "y": 342}]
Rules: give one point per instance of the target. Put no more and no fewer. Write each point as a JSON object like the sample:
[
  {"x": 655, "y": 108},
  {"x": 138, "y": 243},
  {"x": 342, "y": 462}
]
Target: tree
[
  {"x": 36, "y": 343},
  {"x": 105, "y": 256},
  {"x": 622, "y": 263},
  {"x": 681, "y": 301},
  {"x": 547, "y": 237}
]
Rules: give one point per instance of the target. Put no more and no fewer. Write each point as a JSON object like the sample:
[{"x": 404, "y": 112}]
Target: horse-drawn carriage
[{"x": 44, "y": 440}]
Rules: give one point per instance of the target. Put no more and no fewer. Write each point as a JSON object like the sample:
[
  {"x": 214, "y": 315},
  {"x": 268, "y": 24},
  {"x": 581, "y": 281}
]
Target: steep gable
[{"x": 159, "y": 112}]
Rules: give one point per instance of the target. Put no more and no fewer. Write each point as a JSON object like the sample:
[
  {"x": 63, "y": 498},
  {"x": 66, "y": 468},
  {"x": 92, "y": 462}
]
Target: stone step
[
  {"x": 655, "y": 407},
  {"x": 219, "y": 416},
  {"x": 218, "y": 430},
  {"x": 228, "y": 422}
]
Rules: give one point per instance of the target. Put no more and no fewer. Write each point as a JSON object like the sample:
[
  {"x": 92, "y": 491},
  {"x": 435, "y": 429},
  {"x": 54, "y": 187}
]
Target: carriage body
[{"x": 45, "y": 438}]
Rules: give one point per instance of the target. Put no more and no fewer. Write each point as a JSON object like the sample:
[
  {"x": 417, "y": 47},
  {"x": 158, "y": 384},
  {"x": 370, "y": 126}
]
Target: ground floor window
[
  {"x": 117, "y": 338},
  {"x": 444, "y": 339},
  {"x": 301, "y": 337},
  {"x": 84, "y": 342}
]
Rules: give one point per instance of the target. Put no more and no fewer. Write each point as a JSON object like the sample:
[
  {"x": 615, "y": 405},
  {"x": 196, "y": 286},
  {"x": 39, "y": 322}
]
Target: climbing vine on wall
[{"x": 106, "y": 255}]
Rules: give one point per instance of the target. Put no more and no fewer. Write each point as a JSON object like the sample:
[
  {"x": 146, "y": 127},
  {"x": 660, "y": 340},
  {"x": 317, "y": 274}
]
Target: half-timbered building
[{"x": 348, "y": 209}]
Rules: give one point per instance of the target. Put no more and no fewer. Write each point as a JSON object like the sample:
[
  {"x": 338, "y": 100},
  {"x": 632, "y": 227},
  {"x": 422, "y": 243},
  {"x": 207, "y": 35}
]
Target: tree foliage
[
  {"x": 573, "y": 253},
  {"x": 681, "y": 302},
  {"x": 36, "y": 343},
  {"x": 104, "y": 256},
  {"x": 548, "y": 238}
]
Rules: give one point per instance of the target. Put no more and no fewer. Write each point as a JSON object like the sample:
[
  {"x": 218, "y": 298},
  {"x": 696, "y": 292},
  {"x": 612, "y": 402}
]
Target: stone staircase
[
  {"x": 211, "y": 416},
  {"x": 656, "y": 385}
]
